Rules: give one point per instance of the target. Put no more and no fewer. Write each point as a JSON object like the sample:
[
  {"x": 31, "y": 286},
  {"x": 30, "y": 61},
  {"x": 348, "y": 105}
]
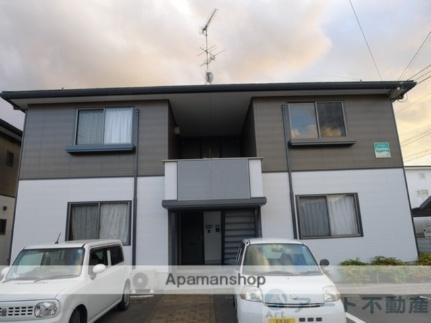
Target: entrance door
[{"x": 192, "y": 239}]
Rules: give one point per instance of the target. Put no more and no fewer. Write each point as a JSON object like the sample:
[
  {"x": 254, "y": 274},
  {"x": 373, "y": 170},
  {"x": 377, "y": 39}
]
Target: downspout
[
  {"x": 289, "y": 171},
  {"x": 135, "y": 189}
]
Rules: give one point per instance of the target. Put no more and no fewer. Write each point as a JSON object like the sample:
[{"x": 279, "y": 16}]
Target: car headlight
[
  {"x": 252, "y": 294},
  {"x": 46, "y": 309},
  {"x": 331, "y": 294}
]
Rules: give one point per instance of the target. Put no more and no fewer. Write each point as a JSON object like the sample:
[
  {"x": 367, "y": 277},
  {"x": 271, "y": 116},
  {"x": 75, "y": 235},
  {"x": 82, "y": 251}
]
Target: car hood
[
  {"x": 16, "y": 290},
  {"x": 295, "y": 289}
]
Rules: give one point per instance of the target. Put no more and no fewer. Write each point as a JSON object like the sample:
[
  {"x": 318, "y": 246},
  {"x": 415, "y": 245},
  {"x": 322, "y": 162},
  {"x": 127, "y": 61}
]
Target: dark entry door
[{"x": 192, "y": 239}]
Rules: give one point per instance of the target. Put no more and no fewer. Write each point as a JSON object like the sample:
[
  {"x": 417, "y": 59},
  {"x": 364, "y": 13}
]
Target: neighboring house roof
[
  {"x": 418, "y": 167},
  {"x": 393, "y": 89},
  {"x": 424, "y": 209},
  {"x": 10, "y": 131}
]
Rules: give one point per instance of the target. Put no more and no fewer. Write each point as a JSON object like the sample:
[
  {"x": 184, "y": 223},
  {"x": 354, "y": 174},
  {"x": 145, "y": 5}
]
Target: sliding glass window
[
  {"x": 100, "y": 220},
  {"x": 313, "y": 120},
  {"x": 334, "y": 215},
  {"x": 104, "y": 126}
]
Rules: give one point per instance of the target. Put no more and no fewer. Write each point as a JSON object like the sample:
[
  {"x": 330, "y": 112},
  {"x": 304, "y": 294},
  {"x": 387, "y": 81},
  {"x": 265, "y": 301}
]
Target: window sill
[
  {"x": 345, "y": 141},
  {"x": 85, "y": 149},
  {"x": 334, "y": 237}
]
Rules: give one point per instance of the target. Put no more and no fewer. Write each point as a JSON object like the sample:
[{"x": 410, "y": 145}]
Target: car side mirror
[
  {"x": 98, "y": 269},
  {"x": 3, "y": 273},
  {"x": 324, "y": 262}
]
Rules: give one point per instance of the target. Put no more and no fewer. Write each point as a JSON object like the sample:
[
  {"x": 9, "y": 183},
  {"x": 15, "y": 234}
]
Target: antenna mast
[{"x": 208, "y": 51}]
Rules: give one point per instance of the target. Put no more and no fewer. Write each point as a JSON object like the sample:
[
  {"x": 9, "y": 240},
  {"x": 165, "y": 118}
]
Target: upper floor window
[
  {"x": 313, "y": 120},
  {"x": 104, "y": 126},
  {"x": 10, "y": 157}
]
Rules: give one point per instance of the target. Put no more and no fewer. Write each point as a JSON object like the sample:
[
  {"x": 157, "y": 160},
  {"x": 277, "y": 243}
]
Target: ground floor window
[
  {"x": 334, "y": 215},
  {"x": 99, "y": 220}
]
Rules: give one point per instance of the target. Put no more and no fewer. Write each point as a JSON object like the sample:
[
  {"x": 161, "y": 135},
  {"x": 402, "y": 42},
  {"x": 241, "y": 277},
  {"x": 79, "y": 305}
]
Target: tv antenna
[{"x": 210, "y": 55}]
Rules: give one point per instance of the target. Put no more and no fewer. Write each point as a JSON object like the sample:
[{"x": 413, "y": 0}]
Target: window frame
[
  {"x": 316, "y": 113},
  {"x": 3, "y": 231},
  {"x": 99, "y": 204},
  {"x": 103, "y": 147},
  {"x": 330, "y": 236}
]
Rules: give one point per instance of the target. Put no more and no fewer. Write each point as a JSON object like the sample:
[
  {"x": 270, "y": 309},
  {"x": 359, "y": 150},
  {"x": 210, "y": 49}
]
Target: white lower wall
[
  {"x": 152, "y": 223},
  {"x": 41, "y": 212},
  {"x": 276, "y": 217},
  {"x": 383, "y": 203},
  {"x": 384, "y": 209},
  {"x": 7, "y": 214}
]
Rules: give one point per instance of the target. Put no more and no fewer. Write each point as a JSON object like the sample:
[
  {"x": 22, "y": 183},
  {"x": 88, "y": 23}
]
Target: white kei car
[
  {"x": 295, "y": 289},
  {"x": 75, "y": 282}
]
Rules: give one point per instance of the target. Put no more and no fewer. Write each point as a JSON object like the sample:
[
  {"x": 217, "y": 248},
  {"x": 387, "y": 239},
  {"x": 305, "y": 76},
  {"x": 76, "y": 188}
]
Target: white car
[
  {"x": 74, "y": 282},
  {"x": 295, "y": 289}
]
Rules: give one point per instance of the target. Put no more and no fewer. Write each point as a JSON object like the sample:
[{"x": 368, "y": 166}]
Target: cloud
[{"x": 118, "y": 43}]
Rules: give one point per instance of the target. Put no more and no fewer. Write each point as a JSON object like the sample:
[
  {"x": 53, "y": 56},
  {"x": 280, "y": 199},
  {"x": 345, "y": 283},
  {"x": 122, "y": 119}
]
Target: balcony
[{"x": 213, "y": 183}]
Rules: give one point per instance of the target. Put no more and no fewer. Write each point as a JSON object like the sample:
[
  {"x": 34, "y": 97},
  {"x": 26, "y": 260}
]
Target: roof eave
[{"x": 395, "y": 90}]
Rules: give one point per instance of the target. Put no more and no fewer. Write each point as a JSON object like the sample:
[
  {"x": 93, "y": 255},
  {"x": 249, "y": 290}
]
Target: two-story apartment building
[
  {"x": 182, "y": 173},
  {"x": 10, "y": 144}
]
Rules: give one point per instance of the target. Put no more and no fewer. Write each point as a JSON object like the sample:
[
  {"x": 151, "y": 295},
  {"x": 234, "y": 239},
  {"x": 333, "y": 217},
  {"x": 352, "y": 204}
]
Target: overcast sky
[{"x": 98, "y": 43}]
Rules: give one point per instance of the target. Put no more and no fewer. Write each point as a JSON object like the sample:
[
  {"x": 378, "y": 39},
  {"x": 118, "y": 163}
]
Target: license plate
[{"x": 282, "y": 320}]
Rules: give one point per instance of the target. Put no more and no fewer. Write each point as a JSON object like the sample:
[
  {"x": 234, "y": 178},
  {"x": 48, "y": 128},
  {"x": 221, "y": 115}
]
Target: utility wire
[
  {"x": 423, "y": 69},
  {"x": 422, "y": 76},
  {"x": 416, "y": 138},
  {"x": 421, "y": 81},
  {"x": 419, "y": 154},
  {"x": 414, "y": 56},
  {"x": 365, "y": 39}
]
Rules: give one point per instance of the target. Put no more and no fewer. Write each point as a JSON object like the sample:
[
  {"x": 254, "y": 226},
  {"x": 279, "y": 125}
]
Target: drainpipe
[
  {"x": 289, "y": 171},
  {"x": 135, "y": 189}
]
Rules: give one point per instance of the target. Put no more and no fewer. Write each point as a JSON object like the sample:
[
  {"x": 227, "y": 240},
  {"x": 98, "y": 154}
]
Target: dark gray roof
[
  {"x": 395, "y": 89},
  {"x": 10, "y": 131}
]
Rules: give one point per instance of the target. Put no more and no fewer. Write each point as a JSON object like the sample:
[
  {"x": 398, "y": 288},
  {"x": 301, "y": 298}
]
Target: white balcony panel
[{"x": 256, "y": 181}]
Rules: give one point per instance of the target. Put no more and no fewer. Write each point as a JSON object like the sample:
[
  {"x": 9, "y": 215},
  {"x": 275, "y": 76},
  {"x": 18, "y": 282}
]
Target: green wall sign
[{"x": 382, "y": 150}]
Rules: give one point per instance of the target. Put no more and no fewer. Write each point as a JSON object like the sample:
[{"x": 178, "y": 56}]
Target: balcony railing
[{"x": 203, "y": 182}]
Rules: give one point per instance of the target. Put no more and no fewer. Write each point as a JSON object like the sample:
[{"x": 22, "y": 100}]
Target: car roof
[
  {"x": 74, "y": 244},
  {"x": 271, "y": 240}
]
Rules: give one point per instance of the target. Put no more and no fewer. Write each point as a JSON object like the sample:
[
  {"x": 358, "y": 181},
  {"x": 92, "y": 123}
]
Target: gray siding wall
[
  {"x": 248, "y": 137},
  {"x": 8, "y": 175},
  {"x": 50, "y": 129},
  {"x": 369, "y": 119},
  {"x": 268, "y": 124}
]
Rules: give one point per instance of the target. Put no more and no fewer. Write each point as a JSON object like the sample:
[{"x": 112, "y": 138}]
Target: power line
[
  {"x": 416, "y": 138},
  {"x": 365, "y": 39},
  {"x": 415, "y": 55},
  {"x": 422, "y": 76},
  {"x": 419, "y": 154},
  {"x": 424, "y": 80},
  {"x": 423, "y": 69}
]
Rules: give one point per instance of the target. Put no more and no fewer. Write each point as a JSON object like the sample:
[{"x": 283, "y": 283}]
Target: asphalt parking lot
[
  {"x": 219, "y": 309},
  {"x": 176, "y": 308}
]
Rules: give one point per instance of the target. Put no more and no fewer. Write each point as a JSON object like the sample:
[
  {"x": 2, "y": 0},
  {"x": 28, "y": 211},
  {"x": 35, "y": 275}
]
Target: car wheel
[
  {"x": 125, "y": 300},
  {"x": 76, "y": 317}
]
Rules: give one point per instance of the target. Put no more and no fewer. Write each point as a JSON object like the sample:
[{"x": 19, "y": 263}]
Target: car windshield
[
  {"x": 280, "y": 259},
  {"x": 38, "y": 264}
]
